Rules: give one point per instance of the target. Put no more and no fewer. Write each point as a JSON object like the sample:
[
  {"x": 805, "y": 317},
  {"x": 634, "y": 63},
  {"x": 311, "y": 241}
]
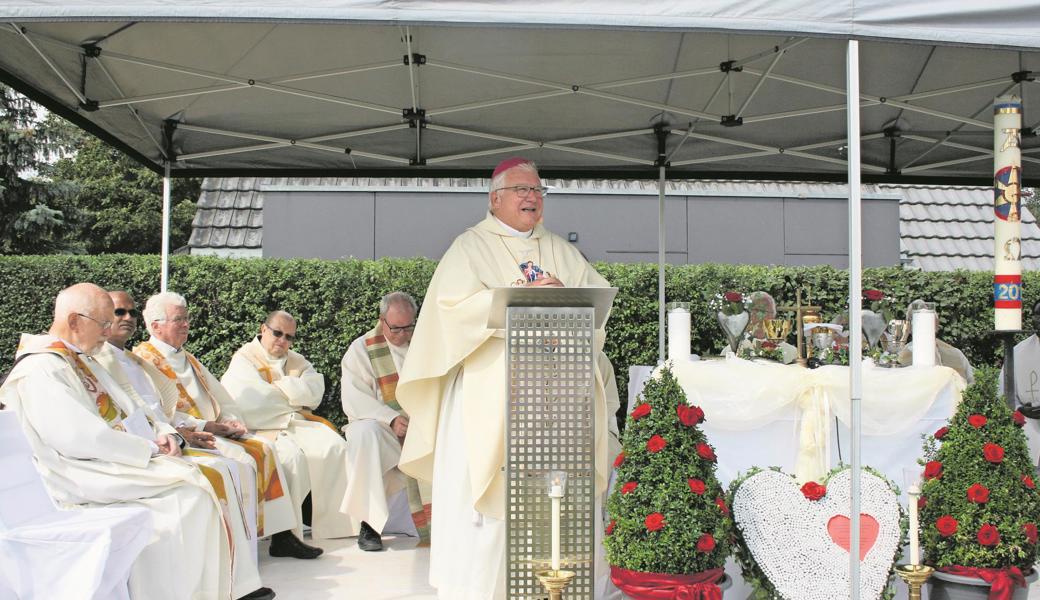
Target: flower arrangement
[
  {"x": 729, "y": 303},
  {"x": 879, "y": 303},
  {"x": 668, "y": 514},
  {"x": 979, "y": 504},
  {"x": 767, "y": 349},
  {"x": 783, "y": 533}
]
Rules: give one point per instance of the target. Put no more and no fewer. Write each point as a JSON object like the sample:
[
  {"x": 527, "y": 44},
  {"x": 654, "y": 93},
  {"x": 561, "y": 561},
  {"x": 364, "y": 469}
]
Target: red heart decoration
[{"x": 839, "y": 529}]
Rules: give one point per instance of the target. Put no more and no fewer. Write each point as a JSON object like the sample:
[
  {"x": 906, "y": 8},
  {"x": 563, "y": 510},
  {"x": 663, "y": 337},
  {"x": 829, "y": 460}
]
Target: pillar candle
[
  {"x": 1007, "y": 178},
  {"x": 556, "y": 495},
  {"x": 678, "y": 334},
  {"x": 924, "y": 338},
  {"x": 915, "y": 545}
]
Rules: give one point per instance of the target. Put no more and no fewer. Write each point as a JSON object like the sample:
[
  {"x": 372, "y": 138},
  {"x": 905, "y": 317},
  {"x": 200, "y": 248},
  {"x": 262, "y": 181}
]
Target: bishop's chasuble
[
  {"x": 452, "y": 386},
  {"x": 274, "y": 398},
  {"x": 72, "y": 412},
  {"x": 201, "y": 398},
  {"x": 233, "y": 482}
]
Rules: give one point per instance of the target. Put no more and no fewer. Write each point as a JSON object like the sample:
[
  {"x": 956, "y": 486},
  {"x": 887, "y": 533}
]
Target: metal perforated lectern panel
[{"x": 549, "y": 363}]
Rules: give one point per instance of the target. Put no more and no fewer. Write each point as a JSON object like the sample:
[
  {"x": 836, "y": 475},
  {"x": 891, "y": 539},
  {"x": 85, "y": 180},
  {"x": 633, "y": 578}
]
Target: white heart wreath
[{"x": 802, "y": 546}]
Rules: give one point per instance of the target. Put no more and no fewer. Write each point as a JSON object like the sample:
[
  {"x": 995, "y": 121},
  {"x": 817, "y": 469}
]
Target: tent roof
[{"x": 282, "y": 89}]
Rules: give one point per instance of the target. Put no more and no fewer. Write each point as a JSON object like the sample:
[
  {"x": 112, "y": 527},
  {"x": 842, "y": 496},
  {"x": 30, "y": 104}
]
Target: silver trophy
[{"x": 896, "y": 334}]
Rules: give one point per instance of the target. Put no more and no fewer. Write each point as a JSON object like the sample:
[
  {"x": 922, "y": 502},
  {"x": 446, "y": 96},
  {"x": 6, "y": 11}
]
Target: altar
[{"x": 765, "y": 414}]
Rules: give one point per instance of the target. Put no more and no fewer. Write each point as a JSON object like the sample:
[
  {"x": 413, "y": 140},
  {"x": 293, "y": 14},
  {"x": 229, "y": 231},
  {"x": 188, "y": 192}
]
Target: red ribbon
[
  {"x": 665, "y": 586},
  {"x": 1001, "y": 581}
]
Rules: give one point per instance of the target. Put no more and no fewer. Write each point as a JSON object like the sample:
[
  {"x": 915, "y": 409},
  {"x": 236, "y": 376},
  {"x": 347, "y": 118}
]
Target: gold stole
[
  {"x": 378, "y": 350},
  {"x": 293, "y": 363},
  {"x": 107, "y": 409},
  {"x": 268, "y": 484},
  {"x": 385, "y": 370}
]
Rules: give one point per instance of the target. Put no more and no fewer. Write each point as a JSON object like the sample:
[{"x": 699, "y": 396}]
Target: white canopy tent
[{"x": 755, "y": 90}]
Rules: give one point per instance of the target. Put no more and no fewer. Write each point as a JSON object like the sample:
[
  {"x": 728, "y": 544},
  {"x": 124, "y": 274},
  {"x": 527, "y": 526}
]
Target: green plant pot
[{"x": 954, "y": 587}]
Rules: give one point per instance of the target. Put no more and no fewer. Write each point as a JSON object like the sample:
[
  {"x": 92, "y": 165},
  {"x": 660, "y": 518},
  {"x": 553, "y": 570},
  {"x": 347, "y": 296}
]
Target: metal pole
[
  {"x": 165, "y": 250},
  {"x": 855, "y": 308},
  {"x": 660, "y": 265}
]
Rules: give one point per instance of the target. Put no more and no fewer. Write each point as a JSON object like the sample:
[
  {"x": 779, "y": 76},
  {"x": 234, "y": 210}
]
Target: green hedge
[{"x": 336, "y": 301}]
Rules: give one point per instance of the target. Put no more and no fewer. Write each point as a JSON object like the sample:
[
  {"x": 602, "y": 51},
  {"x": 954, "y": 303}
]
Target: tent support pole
[
  {"x": 855, "y": 309},
  {"x": 164, "y": 277},
  {"x": 661, "y": 131}
]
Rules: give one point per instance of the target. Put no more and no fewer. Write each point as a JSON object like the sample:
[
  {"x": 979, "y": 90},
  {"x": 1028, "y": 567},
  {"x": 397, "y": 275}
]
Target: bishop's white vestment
[
  {"x": 72, "y": 412},
  {"x": 452, "y": 386},
  {"x": 1027, "y": 388},
  {"x": 234, "y": 483},
  {"x": 274, "y": 397}
]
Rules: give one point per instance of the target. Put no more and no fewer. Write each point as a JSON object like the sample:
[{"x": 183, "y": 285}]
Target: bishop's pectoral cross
[{"x": 800, "y": 311}]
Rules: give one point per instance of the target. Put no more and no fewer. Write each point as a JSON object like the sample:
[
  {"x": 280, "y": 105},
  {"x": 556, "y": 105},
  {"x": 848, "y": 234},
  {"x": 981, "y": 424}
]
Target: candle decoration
[
  {"x": 678, "y": 331},
  {"x": 1007, "y": 178}
]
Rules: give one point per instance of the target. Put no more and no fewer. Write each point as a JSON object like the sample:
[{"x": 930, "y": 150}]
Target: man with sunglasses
[
  {"x": 131, "y": 373},
  {"x": 377, "y": 426},
  {"x": 275, "y": 389},
  {"x": 453, "y": 383}
]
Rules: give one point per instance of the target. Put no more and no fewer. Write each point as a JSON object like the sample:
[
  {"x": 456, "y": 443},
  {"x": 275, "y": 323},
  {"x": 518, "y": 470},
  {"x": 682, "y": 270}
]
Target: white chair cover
[{"x": 49, "y": 553}]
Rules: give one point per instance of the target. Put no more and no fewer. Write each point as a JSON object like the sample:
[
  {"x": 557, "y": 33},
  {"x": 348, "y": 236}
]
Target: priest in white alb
[
  {"x": 275, "y": 390},
  {"x": 203, "y": 405},
  {"x": 376, "y": 425},
  {"x": 234, "y": 483},
  {"x": 92, "y": 447},
  {"x": 453, "y": 386}
]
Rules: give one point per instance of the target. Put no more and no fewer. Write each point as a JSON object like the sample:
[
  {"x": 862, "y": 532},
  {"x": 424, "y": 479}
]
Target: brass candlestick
[
  {"x": 555, "y": 582},
  {"x": 801, "y": 311},
  {"x": 914, "y": 576}
]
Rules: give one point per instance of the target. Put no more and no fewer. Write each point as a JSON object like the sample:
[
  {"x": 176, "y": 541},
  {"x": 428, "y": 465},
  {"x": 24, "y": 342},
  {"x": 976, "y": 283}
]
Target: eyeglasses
[
  {"x": 523, "y": 191},
  {"x": 279, "y": 333},
  {"x": 133, "y": 312},
  {"x": 177, "y": 320},
  {"x": 401, "y": 329},
  {"x": 104, "y": 324}
]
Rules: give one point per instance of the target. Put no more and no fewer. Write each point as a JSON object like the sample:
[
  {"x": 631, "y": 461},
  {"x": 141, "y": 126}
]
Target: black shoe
[
  {"x": 260, "y": 594},
  {"x": 368, "y": 540},
  {"x": 287, "y": 544}
]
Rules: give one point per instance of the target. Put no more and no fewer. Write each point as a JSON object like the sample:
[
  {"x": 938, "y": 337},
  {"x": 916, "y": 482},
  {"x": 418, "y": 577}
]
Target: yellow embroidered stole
[
  {"x": 293, "y": 363},
  {"x": 107, "y": 409},
  {"x": 383, "y": 366}
]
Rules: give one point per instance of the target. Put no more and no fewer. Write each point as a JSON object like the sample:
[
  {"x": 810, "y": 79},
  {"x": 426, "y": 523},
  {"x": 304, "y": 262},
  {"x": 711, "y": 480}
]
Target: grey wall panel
[
  {"x": 880, "y": 233},
  {"x": 838, "y": 261},
  {"x": 736, "y": 230},
  {"x": 424, "y": 224},
  {"x": 820, "y": 227},
  {"x": 672, "y": 258},
  {"x": 617, "y": 228},
  {"x": 318, "y": 224}
]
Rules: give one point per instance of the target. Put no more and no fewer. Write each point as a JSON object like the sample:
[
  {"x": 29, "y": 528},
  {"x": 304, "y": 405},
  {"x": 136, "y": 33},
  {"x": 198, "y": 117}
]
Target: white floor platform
[{"x": 399, "y": 572}]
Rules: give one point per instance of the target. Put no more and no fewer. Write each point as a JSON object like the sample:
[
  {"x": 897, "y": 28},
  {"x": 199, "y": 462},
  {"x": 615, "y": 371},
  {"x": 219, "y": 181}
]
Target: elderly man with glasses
[
  {"x": 453, "y": 383},
  {"x": 205, "y": 406},
  {"x": 275, "y": 389},
  {"x": 377, "y": 426}
]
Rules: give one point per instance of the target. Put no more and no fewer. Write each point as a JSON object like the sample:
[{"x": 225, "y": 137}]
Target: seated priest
[
  {"x": 94, "y": 447},
  {"x": 453, "y": 384},
  {"x": 377, "y": 426},
  {"x": 1027, "y": 383},
  {"x": 275, "y": 389},
  {"x": 203, "y": 405},
  {"x": 945, "y": 354},
  {"x": 234, "y": 483}
]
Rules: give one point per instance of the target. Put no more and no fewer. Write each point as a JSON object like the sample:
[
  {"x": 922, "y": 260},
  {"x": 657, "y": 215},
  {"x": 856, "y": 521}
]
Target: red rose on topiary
[
  {"x": 654, "y": 521},
  {"x": 814, "y": 491},
  {"x": 946, "y": 525},
  {"x": 941, "y": 432},
  {"x": 977, "y": 421},
  {"x": 619, "y": 460},
  {"x": 641, "y": 411},
  {"x": 656, "y": 443},
  {"x": 1028, "y": 482},
  {"x": 705, "y": 451},
  {"x": 933, "y": 470},
  {"x": 988, "y": 535},
  {"x": 922, "y": 502},
  {"x": 611, "y": 526},
  {"x": 1019, "y": 418},
  {"x": 696, "y": 486},
  {"x": 993, "y": 453},
  {"x": 1030, "y": 531},
  {"x": 873, "y": 295},
  {"x": 706, "y": 543},
  {"x": 629, "y": 487},
  {"x": 690, "y": 415},
  {"x": 734, "y": 297},
  {"x": 722, "y": 506},
  {"x": 978, "y": 493}
]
